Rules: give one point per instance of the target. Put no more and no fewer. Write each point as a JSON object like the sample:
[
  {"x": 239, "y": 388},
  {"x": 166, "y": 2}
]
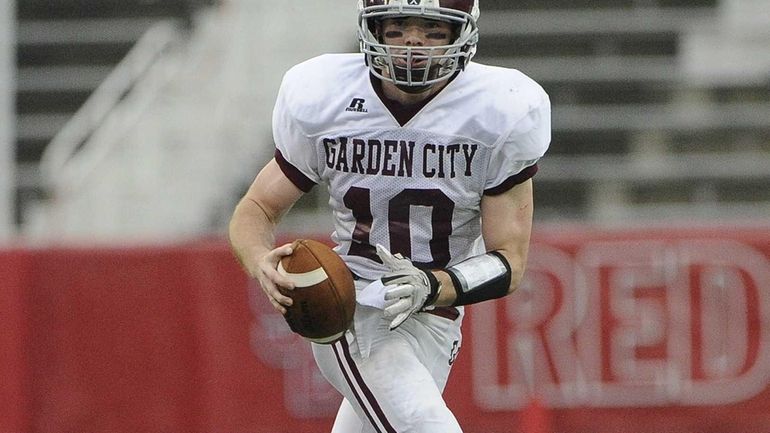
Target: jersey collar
[{"x": 403, "y": 113}]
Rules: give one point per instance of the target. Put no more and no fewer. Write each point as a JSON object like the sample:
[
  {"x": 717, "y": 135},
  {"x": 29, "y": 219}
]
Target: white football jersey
[{"x": 415, "y": 189}]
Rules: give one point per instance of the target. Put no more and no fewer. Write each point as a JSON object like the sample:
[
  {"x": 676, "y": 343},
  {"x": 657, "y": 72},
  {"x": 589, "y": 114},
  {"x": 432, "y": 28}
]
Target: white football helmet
[{"x": 441, "y": 62}]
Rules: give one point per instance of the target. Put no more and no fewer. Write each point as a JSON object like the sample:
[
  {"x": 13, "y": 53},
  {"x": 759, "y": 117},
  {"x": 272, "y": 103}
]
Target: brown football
[{"x": 324, "y": 295}]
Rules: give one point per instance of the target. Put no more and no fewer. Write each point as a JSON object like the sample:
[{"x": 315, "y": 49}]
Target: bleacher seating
[
  {"x": 634, "y": 137},
  {"x": 65, "y": 49}
]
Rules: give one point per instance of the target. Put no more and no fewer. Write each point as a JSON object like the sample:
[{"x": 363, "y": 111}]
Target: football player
[{"x": 428, "y": 158}]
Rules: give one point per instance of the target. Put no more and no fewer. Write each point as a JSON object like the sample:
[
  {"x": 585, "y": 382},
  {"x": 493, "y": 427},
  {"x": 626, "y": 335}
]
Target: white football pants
[{"x": 397, "y": 387}]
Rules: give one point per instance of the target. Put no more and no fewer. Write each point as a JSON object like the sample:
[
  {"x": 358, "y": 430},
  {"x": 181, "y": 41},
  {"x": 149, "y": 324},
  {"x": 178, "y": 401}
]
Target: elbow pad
[{"x": 480, "y": 278}]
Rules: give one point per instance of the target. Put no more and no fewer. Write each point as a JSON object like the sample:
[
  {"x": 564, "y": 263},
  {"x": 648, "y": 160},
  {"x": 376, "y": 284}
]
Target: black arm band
[{"x": 480, "y": 278}]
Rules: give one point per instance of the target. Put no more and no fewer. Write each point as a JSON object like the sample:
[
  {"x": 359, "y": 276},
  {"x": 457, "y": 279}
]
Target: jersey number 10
[{"x": 358, "y": 200}]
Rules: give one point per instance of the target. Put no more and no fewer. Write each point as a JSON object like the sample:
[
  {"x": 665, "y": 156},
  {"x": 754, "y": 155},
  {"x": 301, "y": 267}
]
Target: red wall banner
[{"x": 612, "y": 331}]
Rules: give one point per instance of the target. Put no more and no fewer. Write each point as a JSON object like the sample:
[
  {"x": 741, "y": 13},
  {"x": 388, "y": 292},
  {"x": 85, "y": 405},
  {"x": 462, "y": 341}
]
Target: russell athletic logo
[{"x": 357, "y": 105}]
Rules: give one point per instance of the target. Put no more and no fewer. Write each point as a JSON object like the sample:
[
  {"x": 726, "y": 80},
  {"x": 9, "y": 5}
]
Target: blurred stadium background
[{"x": 130, "y": 128}]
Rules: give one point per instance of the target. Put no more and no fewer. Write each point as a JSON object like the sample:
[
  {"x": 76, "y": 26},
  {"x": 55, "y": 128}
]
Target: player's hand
[
  {"x": 271, "y": 280},
  {"x": 407, "y": 288}
]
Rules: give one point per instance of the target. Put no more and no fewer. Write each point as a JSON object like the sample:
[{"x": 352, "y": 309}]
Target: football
[{"x": 324, "y": 295}]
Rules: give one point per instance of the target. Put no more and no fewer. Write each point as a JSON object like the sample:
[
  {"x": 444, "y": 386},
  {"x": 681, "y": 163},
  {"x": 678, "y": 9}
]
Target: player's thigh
[
  {"x": 438, "y": 343},
  {"x": 391, "y": 389},
  {"x": 347, "y": 421},
  {"x": 334, "y": 361}
]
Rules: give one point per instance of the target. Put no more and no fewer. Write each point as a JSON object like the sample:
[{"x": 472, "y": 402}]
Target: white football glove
[{"x": 407, "y": 288}]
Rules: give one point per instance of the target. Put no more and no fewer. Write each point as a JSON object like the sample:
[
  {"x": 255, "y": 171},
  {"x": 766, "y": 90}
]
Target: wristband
[
  {"x": 480, "y": 278},
  {"x": 435, "y": 289}
]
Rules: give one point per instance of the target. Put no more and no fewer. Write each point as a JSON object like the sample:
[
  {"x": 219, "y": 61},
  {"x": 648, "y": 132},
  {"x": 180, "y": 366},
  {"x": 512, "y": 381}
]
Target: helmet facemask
[{"x": 436, "y": 63}]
